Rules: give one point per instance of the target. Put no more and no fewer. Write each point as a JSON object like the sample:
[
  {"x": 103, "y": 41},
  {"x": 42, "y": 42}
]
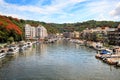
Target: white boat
[
  {"x": 29, "y": 44},
  {"x": 22, "y": 47},
  {"x": 2, "y": 53},
  {"x": 12, "y": 50},
  {"x": 118, "y": 63}
]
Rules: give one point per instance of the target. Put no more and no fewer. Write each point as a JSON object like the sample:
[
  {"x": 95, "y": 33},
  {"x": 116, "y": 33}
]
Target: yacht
[
  {"x": 2, "y": 53},
  {"x": 22, "y": 47},
  {"x": 29, "y": 44},
  {"x": 12, "y": 50}
]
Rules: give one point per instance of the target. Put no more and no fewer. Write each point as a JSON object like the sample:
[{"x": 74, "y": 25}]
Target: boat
[
  {"x": 12, "y": 50},
  {"x": 22, "y": 47},
  {"x": 118, "y": 63},
  {"x": 2, "y": 53},
  {"x": 29, "y": 44},
  {"x": 103, "y": 53},
  {"x": 111, "y": 61}
]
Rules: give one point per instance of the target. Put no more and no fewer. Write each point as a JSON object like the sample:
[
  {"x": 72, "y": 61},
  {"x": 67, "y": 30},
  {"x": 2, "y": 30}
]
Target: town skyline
[{"x": 54, "y": 11}]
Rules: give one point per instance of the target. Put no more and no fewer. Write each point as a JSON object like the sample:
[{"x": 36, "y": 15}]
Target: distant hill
[
  {"x": 79, "y": 26},
  {"x": 14, "y": 27}
]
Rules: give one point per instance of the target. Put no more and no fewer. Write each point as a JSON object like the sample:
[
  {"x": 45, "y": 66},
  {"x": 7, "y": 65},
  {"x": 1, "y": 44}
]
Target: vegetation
[
  {"x": 10, "y": 39},
  {"x": 81, "y": 26},
  {"x": 9, "y": 29},
  {"x": 13, "y": 27}
]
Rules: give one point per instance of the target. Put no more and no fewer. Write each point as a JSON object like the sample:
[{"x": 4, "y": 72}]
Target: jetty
[{"x": 111, "y": 58}]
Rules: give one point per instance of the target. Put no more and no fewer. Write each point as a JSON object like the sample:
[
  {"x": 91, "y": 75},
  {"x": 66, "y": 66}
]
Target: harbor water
[{"x": 57, "y": 61}]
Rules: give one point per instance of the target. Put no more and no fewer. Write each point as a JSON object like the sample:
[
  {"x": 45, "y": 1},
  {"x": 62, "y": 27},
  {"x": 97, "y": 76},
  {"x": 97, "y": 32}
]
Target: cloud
[
  {"x": 63, "y": 11},
  {"x": 55, "y": 6},
  {"x": 13, "y": 15},
  {"x": 99, "y": 10},
  {"x": 116, "y": 11},
  {"x": 1, "y": 1},
  {"x": 21, "y": 8}
]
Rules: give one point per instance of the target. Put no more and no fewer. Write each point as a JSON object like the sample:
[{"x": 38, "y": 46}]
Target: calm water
[{"x": 59, "y": 61}]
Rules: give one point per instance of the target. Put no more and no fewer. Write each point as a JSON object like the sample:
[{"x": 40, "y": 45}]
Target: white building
[
  {"x": 33, "y": 32},
  {"x": 30, "y": 32},
  {"x": 27, "y": 31},
  {"x": 41, "y": 32}
]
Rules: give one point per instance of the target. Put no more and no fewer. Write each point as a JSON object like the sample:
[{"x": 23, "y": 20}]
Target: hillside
[
  {"x": 14, "y": 28},
  {"x": 9, "y": 30},
  {"x": 83, "y": 25}
]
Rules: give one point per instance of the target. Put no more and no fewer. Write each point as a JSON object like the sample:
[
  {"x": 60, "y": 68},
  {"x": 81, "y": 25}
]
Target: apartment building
[
  {"x": 27, "y": 31},
  {"x": 114, "y": 36},
  {"x": 41, "y": 32},
  {"x": 32, "y": 32}
]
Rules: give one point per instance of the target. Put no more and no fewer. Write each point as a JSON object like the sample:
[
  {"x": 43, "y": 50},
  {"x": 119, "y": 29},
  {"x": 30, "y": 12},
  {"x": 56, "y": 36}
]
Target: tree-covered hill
[
  {"x": 79, "y": 26},
  {"x": 13, "y": 28},
  {"x": 9, "y": 30}
]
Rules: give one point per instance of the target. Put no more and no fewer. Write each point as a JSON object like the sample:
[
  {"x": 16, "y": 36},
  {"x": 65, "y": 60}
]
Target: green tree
[{"x": 10, "y": 39}]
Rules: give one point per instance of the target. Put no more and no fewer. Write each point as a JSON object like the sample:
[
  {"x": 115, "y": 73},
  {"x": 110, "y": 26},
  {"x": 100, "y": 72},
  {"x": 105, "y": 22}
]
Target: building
[
  {"x": 27, "y": 31},
  {"x": 41, "y": 32},
  {"x": 68, "y": 34},
  {"x": 95, "y": 34},
  {"x": 114, "y": 36},
  {"x": 32, "y": 32},
  {"x": 76, "y": 35}
]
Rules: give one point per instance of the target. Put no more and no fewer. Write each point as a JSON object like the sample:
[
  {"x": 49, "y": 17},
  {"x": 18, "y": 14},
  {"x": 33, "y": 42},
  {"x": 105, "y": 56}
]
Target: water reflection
[
  {"x": 41, "y": 49},
  {"x": 58, "y": 61},
  {"x": 27, "y": 52}
]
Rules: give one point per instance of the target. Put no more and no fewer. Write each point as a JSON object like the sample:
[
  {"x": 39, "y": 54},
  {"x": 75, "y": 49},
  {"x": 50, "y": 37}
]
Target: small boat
[
  {"x": 29, "y": 44},
  {"x": 103, "y": 53},
  {"x": 111, "y": 61},
  {"x": 22, "y": 47},
  {"x": 2, "y": 53},
  {"x": 12, "y": 50},
  {"x": 118, "y": 63}
]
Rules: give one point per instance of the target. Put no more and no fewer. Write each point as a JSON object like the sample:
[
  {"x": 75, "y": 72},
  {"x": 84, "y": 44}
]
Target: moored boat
[
  {"x": 2, "y": 53},
  {"x": 21, "y": 47},
  {"x": 103, "y": 53},
  {"x": 118, "y": 63},
  {"x": 12, "y": 50},
  {"x": 111, "y": 61},
  {"x": 29, "y": 44}
]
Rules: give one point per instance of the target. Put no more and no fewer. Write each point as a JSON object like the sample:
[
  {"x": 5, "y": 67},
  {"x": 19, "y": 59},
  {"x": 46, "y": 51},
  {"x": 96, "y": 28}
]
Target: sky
[{"x": 62, "y": 11}]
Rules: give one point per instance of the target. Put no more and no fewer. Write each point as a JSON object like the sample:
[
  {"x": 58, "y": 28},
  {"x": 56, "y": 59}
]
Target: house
[
  {"x": 114, "y": 36},
  {"x": 76, "y": 34},
  {"x": 68, "y": 34},
  {"x": 95, "y": 34}
]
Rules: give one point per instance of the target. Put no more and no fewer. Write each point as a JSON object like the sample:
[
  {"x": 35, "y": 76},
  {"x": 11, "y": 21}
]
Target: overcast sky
[{"x": 62, "y": 11}]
